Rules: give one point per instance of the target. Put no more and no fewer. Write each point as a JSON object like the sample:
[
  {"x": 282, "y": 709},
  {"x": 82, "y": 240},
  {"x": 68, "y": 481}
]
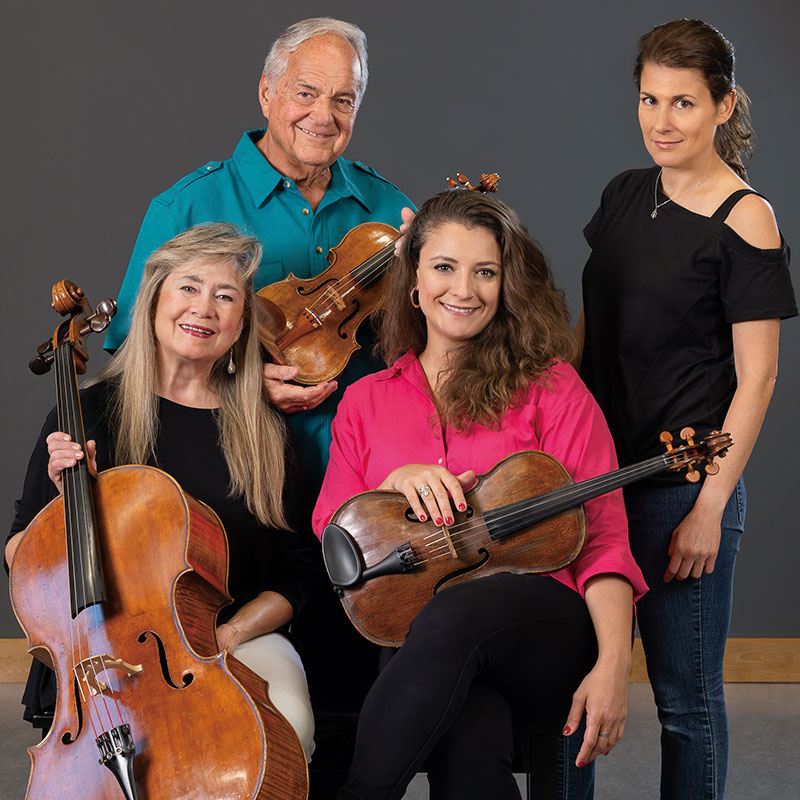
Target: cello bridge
[{"x": 89, "y": 669}]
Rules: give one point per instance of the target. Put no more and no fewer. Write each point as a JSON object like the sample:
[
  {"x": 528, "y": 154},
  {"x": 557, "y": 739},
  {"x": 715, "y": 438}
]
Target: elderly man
[{"x": 290, "y": 186}]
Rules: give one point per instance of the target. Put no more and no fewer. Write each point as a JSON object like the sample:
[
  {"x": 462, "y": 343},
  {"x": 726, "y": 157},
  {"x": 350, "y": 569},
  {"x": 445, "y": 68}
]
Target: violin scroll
[
  {"x": 716, "y": 444},
  {"x": 487, "y": 184}
]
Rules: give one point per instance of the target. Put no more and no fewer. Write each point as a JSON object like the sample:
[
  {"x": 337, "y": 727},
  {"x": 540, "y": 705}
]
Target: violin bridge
[
  {"x": 337, "y": 299},
  {"x": 88, "y": 670},
  {"x": 449, "y": 541}
]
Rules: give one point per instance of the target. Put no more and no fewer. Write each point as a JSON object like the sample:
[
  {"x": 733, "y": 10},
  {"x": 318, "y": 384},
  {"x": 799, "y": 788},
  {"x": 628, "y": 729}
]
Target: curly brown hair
[
  {"x": 694, "y": 44},
  {"x": 491, "y": 372}
]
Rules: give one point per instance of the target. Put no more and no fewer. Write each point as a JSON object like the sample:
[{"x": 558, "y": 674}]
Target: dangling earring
[
  {"x": 231, "y": 364},
  {"x": 413, "y": 302}
]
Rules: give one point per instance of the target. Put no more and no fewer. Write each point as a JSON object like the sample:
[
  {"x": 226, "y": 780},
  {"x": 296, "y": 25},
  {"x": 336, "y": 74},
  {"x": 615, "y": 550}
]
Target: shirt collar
[
  {"x": 262, "y": 179},
  {"x": 409, "y": 367}
]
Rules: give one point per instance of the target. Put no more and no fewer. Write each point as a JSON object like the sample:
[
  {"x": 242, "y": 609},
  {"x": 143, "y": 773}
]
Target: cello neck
[
  {"x": 510, "y": 518},
  {"x": 85, "y": 577}
]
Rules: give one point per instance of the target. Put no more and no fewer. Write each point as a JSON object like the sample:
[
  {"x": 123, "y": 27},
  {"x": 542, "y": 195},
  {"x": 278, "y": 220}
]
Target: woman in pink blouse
[{"x": 476, "y": 333}]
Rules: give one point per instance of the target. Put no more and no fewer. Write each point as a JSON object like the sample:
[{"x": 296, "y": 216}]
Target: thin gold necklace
[{"x": 657, "y": 205}]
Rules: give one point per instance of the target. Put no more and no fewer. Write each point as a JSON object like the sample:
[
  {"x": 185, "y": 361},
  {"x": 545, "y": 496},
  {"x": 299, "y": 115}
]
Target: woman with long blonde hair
[{"x": 184, "y": 393}]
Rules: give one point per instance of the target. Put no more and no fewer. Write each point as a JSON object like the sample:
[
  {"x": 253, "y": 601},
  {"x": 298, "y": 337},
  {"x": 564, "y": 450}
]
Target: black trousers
[{"x": 479, "y": 656}]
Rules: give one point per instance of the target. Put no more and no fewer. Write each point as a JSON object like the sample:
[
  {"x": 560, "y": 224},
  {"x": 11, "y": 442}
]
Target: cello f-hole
[{"x": 164, "y": 662}]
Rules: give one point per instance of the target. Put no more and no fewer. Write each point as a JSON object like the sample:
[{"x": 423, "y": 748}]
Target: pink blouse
[{"x": 388, "y": 419}]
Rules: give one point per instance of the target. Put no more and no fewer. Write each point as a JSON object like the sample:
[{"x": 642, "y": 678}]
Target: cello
[
  {"x": 311, "y": 323},
  {"x": 523, "y": 516},
  {"x": 117, "y": 585}
]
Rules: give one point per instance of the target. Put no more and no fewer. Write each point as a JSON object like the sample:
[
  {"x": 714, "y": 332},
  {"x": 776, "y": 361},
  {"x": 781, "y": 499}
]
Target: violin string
[
  {"x": 460, "y": 534},
  {"x": 366, "y": 270},
  {"x": 361, "y": 274}
]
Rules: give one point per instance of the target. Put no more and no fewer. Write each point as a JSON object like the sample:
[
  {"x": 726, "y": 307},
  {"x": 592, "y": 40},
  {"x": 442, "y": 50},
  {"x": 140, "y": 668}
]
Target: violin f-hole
[
  {"x": 464, "y": 570},
  {"x": 343, "y": 334}
]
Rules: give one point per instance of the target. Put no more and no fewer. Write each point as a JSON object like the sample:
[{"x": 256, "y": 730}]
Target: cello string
[
  {"x": 79, "y": 486},
  {"x": 67, "y": 477}
]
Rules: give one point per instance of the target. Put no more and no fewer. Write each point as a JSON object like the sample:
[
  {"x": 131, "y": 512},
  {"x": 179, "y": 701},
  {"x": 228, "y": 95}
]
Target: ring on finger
[
  {"x": 604, "y": 735},
  {"x": 423, "y": 490}
]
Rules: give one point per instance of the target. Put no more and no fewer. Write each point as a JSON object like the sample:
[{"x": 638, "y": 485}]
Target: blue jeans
[{"x": 684, "y": 628}]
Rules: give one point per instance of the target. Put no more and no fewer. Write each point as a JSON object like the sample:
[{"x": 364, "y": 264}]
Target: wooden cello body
[{"x": 117, "y": 585}]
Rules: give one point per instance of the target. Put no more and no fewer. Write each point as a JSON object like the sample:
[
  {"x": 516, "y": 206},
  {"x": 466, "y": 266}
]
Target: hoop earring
[
  {"x": 231, "y": 363},
  {"x": 414, "y": 304}
]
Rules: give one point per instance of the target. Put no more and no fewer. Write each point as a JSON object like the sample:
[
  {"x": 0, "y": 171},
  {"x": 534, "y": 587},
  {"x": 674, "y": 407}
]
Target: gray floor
[{"x": 765, "y": 733}]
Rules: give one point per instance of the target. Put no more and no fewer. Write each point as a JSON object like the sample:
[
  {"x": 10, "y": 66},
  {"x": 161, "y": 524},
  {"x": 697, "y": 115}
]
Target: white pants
[{"x": 273, "y": 657}]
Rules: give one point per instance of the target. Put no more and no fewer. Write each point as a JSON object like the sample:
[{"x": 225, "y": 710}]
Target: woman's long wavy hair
[
  {"x": 694, "y": 44},
  {"x": 252, "y": 434},
  {"x": 491, "y": 372}
]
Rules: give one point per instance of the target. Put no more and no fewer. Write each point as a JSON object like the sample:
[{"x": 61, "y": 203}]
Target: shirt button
[
  {"x": 287, "y": 184},
  {"x": 440, "y": 460},
  {"x": 306, "y": 212},
  {"x": 209, "y": 166},
  {"x": 318, "y": 249}
]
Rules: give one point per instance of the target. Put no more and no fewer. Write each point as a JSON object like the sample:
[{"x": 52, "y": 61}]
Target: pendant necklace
[{"x": 657, "y": 205}]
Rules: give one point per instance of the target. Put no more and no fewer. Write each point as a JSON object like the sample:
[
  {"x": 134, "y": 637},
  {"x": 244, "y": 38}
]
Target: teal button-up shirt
[{"x": 247, "y": 191}]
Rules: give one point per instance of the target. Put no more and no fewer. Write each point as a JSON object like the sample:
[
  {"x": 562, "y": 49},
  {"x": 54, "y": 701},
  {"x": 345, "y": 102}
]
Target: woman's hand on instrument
[
  {"x": 694, "y": 544},
  {"x": 289, "y": 397},
  {"x": 429, "y": 489},
  {"x": 229, "y": 637},
  {"x": 407, "y": 215},
  {"x": 603, "y": 696},
  {"x": 66, "y": 453}
]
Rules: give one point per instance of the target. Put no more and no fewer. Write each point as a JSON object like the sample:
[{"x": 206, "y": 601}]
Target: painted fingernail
[
  {"x": 567, "y": 730},
  {"x": 462, "y": 507},
  {"x": 438, "y": 520},
  {"x": 305, "y": 408},
  {"x": 448, "y": 520},
  {"x": 581, "y": 763},
  {"x": 606, "y": 752},
  {"x": 422, "y": 517}
]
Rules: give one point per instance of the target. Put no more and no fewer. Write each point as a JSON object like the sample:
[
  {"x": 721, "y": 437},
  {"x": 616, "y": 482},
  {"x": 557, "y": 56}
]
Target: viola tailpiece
[
  {"x": 525, "y": 515},
  {"x": 311, "y": 323}
]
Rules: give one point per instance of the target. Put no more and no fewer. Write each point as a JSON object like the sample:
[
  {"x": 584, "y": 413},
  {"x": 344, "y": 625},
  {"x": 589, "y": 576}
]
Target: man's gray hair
[{"x": 278, "y": 56}]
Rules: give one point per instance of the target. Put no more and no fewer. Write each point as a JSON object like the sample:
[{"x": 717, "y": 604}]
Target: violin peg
[
  {"x": 451, "y": 184},
  {"x": 687, "y": 434},
  {"x": 666, "y": 439},
  {"x": 711, "y": 468},
  {"x": 693, "y": 476},
  {"x": 489, "y": 182},
  {"x": 462, "y": 179}
]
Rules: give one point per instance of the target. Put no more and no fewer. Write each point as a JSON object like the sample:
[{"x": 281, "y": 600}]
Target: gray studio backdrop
[{"x": 107, "y": 103}]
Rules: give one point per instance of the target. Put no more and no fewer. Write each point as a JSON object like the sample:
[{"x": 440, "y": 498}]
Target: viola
[
  {"x": 311, "y": 323},
  {"x": 523, "y": 516},
  {"x": 117, "y": 585}
]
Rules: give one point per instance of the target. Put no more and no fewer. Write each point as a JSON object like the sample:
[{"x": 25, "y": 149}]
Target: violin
[
  {"x": 523, "y": 516},
  {"x": 117, "y": 585},
  {"x": 311, "y": 323}
]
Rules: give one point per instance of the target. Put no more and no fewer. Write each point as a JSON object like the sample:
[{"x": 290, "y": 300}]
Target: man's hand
[{"x": 289, "y": 397}]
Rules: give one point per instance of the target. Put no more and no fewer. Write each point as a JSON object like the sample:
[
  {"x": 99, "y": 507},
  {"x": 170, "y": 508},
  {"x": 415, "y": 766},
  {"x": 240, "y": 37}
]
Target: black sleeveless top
[{"x": 660, "y": 296}]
